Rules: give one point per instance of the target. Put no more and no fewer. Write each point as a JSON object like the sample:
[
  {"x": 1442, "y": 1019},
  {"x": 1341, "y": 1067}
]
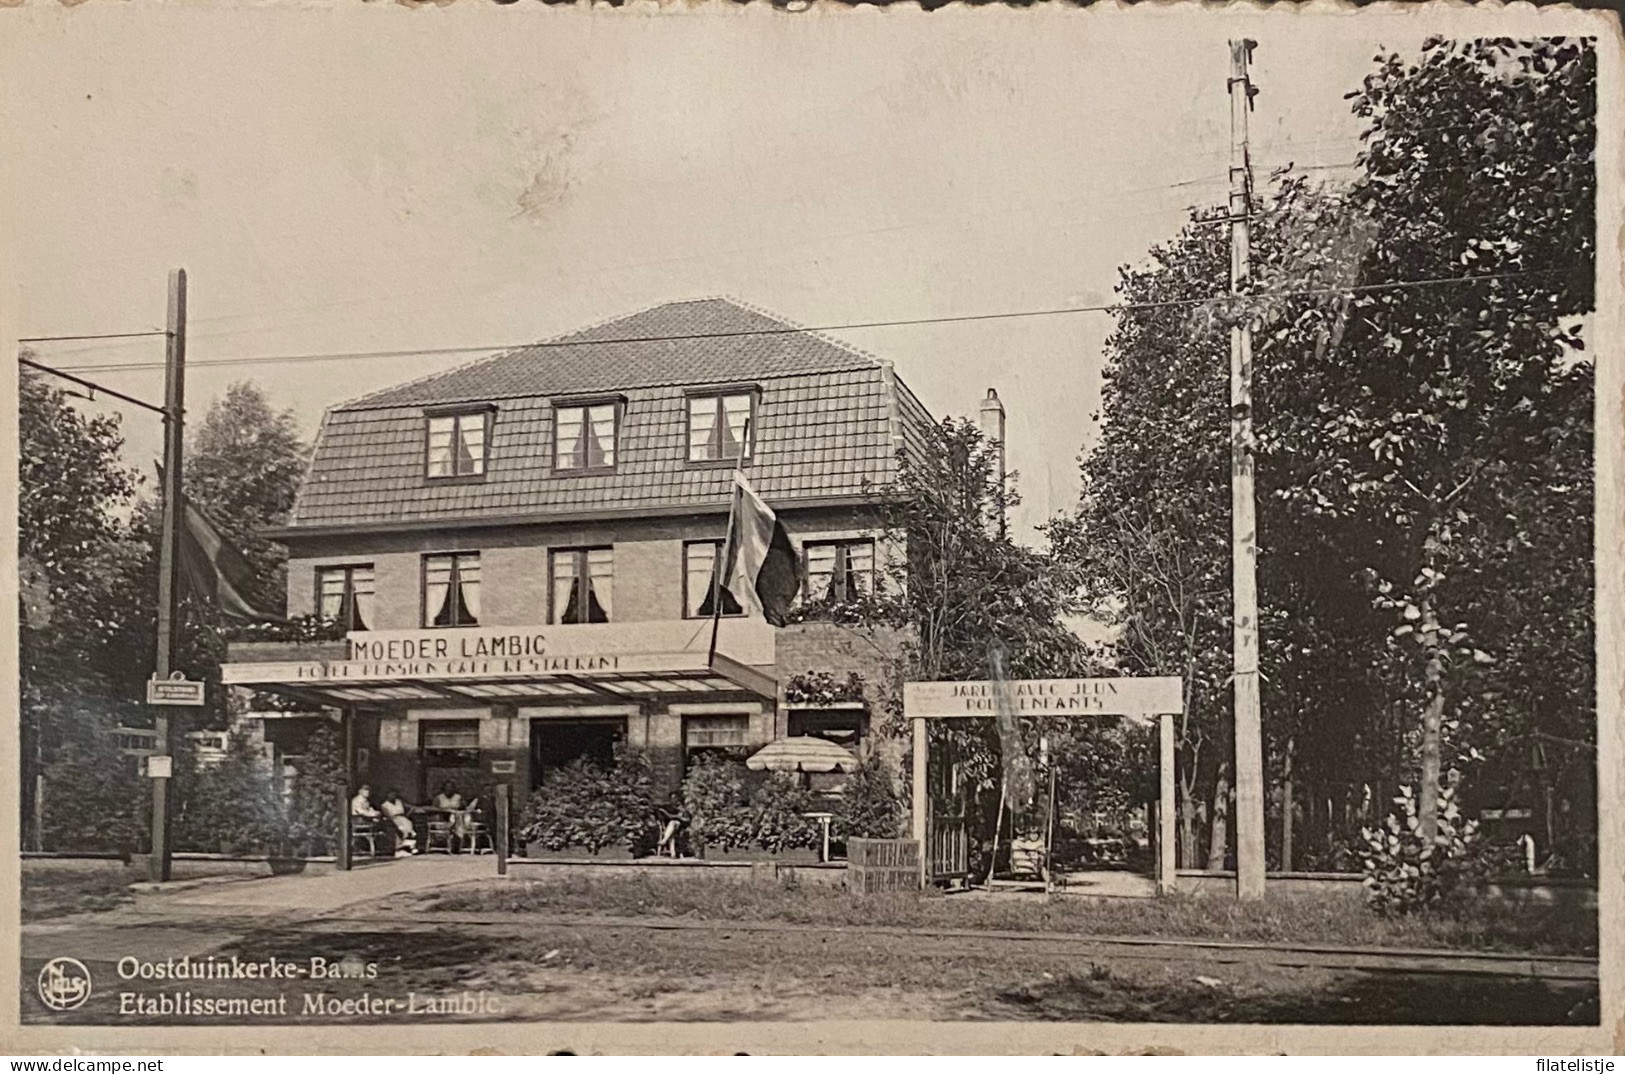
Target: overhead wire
[{"x": 791, "y": 330}]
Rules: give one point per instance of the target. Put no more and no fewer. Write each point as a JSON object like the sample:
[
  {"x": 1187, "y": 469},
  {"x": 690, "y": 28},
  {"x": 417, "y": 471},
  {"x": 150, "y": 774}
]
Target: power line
[
  {"x": 104, "y": 335},
  {"x": 1062, "y": 311},
  {"x": 93, "y": 386}
]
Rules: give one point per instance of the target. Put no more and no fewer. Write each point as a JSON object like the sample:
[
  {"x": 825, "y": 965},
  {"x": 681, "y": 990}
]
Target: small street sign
[
  {"x": 175, "y": 690},
  {"x": 160, "y": 766}
]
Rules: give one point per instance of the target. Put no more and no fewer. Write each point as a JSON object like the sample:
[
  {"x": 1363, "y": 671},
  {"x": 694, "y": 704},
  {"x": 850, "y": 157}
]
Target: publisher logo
[{"x": 64, "y": 984}]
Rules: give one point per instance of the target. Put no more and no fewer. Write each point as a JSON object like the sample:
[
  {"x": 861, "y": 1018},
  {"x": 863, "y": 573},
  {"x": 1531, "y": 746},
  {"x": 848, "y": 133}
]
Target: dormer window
[
  {"x": 458, "y": 443},
  {"x": 585, "y": 434},
  {"x": 721, "y": 424}
]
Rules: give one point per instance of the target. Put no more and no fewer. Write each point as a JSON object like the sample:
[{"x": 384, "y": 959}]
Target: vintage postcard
[{"x": 809, "y": 528}]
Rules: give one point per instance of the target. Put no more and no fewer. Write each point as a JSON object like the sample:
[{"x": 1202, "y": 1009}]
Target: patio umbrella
[{"x": 802, "y": 753}]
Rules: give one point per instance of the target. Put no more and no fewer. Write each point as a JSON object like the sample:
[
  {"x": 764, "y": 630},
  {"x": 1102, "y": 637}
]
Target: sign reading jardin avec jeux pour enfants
[{"x": 1149, "y": 696}]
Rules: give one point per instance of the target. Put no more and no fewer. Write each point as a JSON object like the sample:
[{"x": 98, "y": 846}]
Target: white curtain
[
  {"x": 702, "y": 418},
  {"x": 440, "y": 434},
  {"x": 569, "y": 438},
  {"x": 602, "y": 420}
]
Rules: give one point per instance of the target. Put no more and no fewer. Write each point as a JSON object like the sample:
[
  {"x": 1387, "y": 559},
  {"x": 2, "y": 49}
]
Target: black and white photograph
[{"x": 680, "y": 528}]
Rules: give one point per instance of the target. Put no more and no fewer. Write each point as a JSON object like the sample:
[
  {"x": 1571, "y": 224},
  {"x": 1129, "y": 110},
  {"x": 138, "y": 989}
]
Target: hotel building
[{"x": 520, "y": 552}]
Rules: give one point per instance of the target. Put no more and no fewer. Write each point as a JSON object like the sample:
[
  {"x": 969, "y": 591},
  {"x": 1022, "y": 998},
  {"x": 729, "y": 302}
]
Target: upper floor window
[
  {"x": 583, "y": 585},
  {"x": 458, "y": 443},
  {"x": 701, "y": 583},
  {"x": 717, "y": 426},
  {"x": 451, "y": 590},
  {"x": 840, "y": 570},
  {"x": 345, "y": 594},
  {"x": 584, "y": 435}
]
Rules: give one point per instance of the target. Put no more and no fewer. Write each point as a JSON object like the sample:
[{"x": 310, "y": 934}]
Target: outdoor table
[
  {"x": 422, "y": 815},
  {"x": 823, "y": 820}
]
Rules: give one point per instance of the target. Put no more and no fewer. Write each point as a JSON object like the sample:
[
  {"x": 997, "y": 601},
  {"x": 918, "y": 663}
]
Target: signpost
[
  {"x": 175, "y": 690},
  {"x": 1160, "y": 696}
]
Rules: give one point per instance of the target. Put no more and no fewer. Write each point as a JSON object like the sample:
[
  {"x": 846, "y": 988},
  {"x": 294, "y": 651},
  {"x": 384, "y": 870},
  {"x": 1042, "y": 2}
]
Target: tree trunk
[
  {"x": 1187, "y": 826},
  {"x": 1286, "y": 808},
  {"x": 1219, "y": 839},
  {"x": 1427, "y": 795}
]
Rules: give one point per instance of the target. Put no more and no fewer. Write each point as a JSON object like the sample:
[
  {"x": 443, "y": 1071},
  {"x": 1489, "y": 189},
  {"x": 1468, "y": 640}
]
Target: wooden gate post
[
  {"x": 921, "y": 798},
  {"x": 502, "y": 829},
  {"x": 1167, "y": 859},
  {"x": 341, "y": 853}
]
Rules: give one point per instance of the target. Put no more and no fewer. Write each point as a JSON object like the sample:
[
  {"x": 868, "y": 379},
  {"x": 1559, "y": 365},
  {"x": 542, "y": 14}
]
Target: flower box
[
  {"x": 538, "y": 852},
  {"x": 793, "y": 856}
]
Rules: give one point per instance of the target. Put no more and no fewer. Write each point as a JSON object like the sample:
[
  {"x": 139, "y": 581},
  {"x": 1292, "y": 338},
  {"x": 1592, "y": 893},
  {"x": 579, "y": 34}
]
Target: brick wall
[
  {"x": 872, "y": 653},
  {"x": 514, "y": 563}
]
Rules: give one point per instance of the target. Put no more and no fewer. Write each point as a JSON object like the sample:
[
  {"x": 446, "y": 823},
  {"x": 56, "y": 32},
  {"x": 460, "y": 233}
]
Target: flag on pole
[
  {"x": 215, "y": 570},
  {"x": 1018, "y": 767},
  {"x": 761, "y": 569}
]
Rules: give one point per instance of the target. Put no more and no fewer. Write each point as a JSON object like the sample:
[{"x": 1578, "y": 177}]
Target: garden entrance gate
[{"x": 943, "y": 846}]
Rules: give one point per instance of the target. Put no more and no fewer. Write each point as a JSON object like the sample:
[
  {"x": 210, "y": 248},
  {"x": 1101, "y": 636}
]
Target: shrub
[
  {"x": 587, "y": 805},
  {"x": 716, "y": 800},
  {"x": 869, "y": 807},
  {"x": 823, "y": 688},
  {"x": 1404, "y": 874},
  {"x": 232, "y": 806},
  {"x": 313, "y": 809},
  {"x": 777, "y": 806},
  {"x": 94, "y": 800}
]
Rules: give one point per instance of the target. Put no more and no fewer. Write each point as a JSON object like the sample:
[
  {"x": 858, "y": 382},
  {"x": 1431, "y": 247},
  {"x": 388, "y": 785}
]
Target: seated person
[
  {"x": 361, "y": 804},
  {"x": 457, "y": 811},
  {"x": 406, "y": 834}
]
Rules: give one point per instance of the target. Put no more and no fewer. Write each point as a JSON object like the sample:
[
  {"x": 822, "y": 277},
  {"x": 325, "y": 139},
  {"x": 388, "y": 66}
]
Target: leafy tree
[
  {"x": 244, "y": 465},
  {"x": 71, "y": 490},
  {"x": 1430, "y": 396},
  {"x": 1424, "y": 447}
]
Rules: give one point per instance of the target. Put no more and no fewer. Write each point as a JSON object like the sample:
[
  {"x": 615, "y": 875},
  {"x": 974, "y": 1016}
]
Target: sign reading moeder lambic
[
  {"x": 631, "y": 648},
  {"x": 1149, "y": 696}
]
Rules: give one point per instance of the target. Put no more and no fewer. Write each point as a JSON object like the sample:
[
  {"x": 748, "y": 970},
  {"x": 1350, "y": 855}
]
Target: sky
[{"x": 381, "y": 178}]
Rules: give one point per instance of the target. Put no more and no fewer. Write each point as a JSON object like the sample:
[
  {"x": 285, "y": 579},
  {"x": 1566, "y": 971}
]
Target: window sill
[
  {"x": 714, "y": 464},
  {"x": 582, "y": 471},
  {"x": 454, "y": 479}
]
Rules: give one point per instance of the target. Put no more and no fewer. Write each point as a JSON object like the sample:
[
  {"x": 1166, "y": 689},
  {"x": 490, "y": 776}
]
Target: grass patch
[
  {"x": 1299, "y": 918},
  {"x": 51, "y": 890}
]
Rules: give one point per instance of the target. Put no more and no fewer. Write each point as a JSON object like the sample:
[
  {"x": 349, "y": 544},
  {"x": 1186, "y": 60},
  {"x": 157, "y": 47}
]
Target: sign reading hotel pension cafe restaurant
[
  {"x": 1149, "y": 696},
  {"x": 475, "y": 652}
]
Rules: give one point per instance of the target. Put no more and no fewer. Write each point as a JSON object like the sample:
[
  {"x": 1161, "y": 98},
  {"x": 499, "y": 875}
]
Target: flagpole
[{"x": 727, "y": 543}]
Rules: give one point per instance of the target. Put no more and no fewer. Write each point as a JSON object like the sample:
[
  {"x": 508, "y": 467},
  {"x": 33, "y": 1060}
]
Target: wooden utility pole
[
  {"x": 1243, "y": 514},
  {"x": 168, "y": 557}
]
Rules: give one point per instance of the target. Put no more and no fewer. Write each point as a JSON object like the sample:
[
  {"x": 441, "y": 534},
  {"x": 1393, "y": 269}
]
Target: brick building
[{"x": 520, "y": 551}]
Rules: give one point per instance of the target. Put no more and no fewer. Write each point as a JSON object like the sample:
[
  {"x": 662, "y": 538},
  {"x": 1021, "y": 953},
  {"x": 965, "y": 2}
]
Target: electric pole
[
  {"x": 1249, "y": 734},
  {"x": 168, "y": 556}
]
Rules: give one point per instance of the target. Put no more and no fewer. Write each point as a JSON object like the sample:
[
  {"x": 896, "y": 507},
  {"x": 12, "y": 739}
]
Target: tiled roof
[
  {"x": 825, "y": 424},
  {"x": 704, "y": 341}
]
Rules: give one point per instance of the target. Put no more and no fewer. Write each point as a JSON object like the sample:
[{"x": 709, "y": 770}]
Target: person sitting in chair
[
  {"x": 406, "y": 834},
  {"x": 457, "y": 812},
  {"x": 361, "y": 804}
]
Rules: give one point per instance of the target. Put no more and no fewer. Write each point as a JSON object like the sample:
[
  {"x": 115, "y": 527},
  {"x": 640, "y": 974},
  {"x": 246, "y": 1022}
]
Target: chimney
[{"x": 992, "y": 425}]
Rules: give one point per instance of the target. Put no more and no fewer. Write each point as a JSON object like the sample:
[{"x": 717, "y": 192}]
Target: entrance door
[
  {"x": 556, "y": 743},
  {"x": 449, "y": 752}
]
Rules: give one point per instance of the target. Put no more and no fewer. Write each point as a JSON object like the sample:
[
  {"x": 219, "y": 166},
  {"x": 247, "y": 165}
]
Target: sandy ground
[{"x": 522, "y": 971}]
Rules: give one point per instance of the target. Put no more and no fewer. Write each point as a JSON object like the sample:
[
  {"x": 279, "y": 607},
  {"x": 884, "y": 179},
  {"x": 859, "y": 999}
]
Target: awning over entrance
[{"x": 599, "y": 662}]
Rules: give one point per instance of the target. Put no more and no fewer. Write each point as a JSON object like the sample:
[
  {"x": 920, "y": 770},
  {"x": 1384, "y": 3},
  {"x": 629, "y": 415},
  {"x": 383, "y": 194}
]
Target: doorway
[{"x": 449, "y": 752}]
